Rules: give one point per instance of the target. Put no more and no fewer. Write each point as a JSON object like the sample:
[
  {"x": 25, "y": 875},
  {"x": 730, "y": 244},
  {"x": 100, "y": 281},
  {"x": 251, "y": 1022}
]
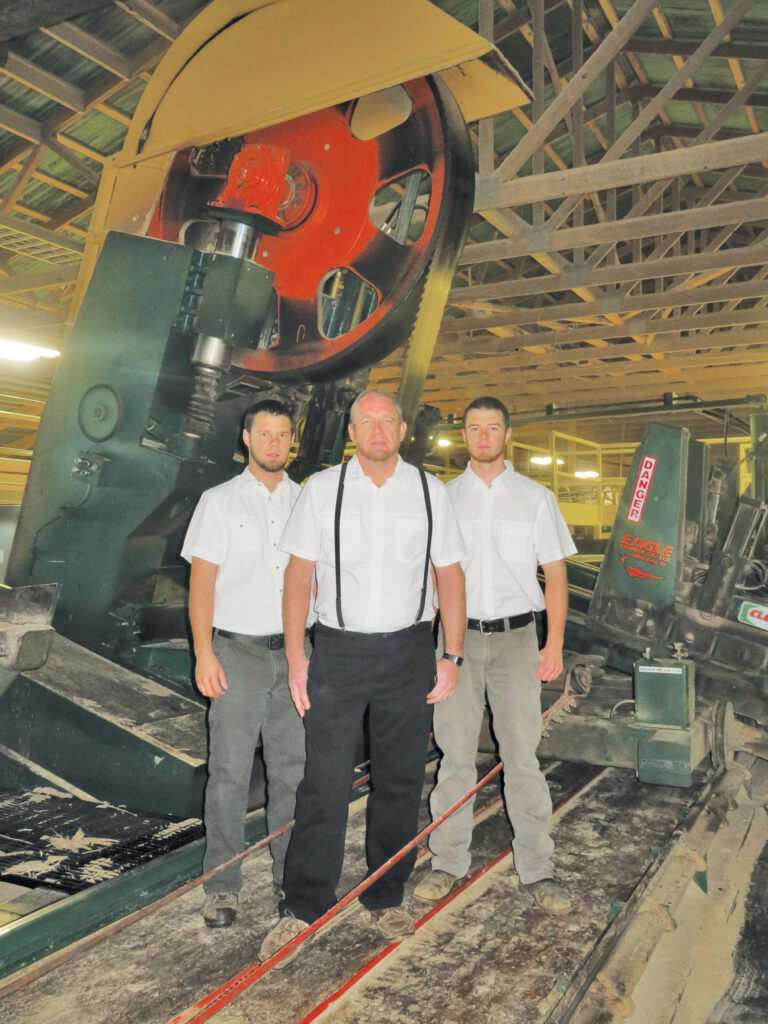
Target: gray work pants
[
  {"x": 257, "y": 700},
  {"x": 499, "y": 667}
]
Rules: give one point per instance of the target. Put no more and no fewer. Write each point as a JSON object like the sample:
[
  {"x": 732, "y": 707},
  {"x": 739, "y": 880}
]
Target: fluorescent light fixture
[
  {"x": 21, "y": 352},
  {"x": 586, "y": 474},
  {"x": 544, "y": 460},
  {"x": 443, "y": 442}
]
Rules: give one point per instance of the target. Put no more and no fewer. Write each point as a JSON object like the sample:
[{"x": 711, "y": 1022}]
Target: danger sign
[{"x": 640, "y": 494}]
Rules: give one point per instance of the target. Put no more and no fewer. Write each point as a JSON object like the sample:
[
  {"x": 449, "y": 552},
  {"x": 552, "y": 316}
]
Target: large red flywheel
[{"x": 351, "y": 209}]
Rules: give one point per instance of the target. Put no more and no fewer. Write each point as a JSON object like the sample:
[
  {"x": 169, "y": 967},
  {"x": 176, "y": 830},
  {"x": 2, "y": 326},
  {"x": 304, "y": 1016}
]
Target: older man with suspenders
[{"x": 368, "y": 532}]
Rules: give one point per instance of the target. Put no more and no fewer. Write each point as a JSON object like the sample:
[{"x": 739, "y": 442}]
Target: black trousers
[{"x": 389, "y": 675}]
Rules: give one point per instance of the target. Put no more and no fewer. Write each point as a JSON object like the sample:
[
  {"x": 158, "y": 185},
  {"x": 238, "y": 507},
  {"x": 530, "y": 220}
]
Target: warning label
[{"x": 640, "y": 493}]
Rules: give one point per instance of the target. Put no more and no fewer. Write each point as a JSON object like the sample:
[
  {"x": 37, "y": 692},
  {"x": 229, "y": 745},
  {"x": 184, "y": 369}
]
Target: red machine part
[
  {"x": 262, "y": 181},
  {"x": 315, "y": 182}
]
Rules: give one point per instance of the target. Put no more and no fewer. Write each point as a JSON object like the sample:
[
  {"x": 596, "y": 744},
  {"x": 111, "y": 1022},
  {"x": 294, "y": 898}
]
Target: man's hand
[
  {"x": 298, "y": 670},
  {"x": 445, "y": 681},
  {"x": 209, "y": 675},
  {"x": 550, "y": 662}
]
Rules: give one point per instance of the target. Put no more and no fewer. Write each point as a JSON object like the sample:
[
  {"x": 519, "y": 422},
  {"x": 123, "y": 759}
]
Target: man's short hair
[
  {"x": 378, "y": 394},
  {"x": 488, "y": 402},
  {"x": 271, "y": 406}
]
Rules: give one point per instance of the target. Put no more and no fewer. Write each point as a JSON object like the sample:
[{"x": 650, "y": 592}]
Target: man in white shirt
[
  {"x": 510, "y": 524},
  {"x": 235, "y": 597},
  {"x": 373, "y": 652}
]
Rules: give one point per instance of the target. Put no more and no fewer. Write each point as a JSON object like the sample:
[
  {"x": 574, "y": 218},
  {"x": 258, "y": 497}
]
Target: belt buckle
[
  {"x": 483, "y": 630},
  {"x": 275, "y": 642}
]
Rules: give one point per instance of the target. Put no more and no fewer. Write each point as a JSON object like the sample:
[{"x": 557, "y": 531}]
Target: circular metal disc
[{"x": 99, "y": 412}]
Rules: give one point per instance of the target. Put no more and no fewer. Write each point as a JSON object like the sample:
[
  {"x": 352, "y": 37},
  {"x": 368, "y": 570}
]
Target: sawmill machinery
[
  {"x": 674, "y": 629},
  {"x": 269, "y": 226},
  {"x": 276, "y": 226}
]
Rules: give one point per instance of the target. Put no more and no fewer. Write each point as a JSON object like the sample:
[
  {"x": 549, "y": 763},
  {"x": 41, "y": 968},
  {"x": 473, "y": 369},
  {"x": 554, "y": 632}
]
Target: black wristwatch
[{"x": 455, "y": 658}]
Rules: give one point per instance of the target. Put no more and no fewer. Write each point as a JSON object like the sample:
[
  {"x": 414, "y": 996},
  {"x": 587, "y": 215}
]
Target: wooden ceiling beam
[
  {"x": 684, "y": 48},
  {"x": 88, "y": 46},
  {"x": 519, "y": 354},
  {"x": 38, "y": 79},
  {"x": 694, "y": 263},
  {"x": 574, "y": 91},
  {"x": 629, "y": 306},
  {"x": 491, "y": 193},
  {"x": 149, "y": 14},
  {"x": 619, "y": 369},
  {"x": 544, "y": 239},
  {"x": 38, "y": 282},
  {"x": 656, "y": 106}
]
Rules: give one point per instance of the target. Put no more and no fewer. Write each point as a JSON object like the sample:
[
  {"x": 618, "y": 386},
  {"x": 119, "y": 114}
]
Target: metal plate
[{"x": 99, "y": 412}]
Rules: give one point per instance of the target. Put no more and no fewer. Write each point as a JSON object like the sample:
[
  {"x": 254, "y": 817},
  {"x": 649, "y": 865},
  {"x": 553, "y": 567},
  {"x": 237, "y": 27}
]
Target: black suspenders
[{"x": 337, "y": 543}]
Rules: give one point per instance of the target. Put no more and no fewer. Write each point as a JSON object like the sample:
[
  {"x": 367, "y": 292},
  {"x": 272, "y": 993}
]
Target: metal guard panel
[{"x": 248, "y": 65}]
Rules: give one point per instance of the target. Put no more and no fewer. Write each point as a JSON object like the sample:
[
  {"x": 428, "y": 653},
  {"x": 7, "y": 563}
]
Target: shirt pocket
[
  {"x": 516, "y": 542},
  {"x": 246, "y": 533},
  {"x": 349, "y": 537},
  {"x": 410, "y": 538}
]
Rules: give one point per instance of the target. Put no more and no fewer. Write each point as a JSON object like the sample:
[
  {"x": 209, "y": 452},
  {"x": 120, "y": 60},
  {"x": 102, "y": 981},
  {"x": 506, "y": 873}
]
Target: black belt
[
  {"x": 273, "y": 641},
  {"x": 499, "y": 625}
]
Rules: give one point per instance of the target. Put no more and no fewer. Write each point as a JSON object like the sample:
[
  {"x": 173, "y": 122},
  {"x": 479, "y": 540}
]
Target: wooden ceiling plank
[
  {"x": 68, "y": 142},
  {"x": 88, "y": 46},
  {"x": 34, "y": 77},
  {"x": 151, "y": 16},
  {"x": 19, "y": 124}
]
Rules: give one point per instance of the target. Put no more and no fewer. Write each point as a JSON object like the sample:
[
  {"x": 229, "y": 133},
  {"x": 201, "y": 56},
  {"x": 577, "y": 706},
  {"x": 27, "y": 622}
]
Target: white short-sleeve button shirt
[
  {"x": 509, "y": 529},
  {"x": 237, "y": 526},
  {"x": 383, "y": 539}
]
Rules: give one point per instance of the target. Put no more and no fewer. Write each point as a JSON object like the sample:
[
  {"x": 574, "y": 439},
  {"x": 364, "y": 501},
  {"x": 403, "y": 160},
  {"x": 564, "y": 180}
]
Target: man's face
[
  {"x": 268, "y": 441},
  {"x": 377, "y": 429},
  {"x": 484, "y": 435}
]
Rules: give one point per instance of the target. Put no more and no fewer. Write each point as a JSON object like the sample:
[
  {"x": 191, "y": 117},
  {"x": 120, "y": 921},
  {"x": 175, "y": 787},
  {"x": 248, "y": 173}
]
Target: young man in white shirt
[
  {"x": 235, "y": 598},
  {"x": 373, "y": 652},
  {"x": 510, "y": 525}
]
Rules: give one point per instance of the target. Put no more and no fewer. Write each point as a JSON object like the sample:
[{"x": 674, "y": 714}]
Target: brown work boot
[
  {"x": 436, "y": 886},
  {"x": 393, "y": 922},
  {"x": 550, "y": 896},
  {"x": 287, "y": 928},
  {"x": 220, "y": 909}
]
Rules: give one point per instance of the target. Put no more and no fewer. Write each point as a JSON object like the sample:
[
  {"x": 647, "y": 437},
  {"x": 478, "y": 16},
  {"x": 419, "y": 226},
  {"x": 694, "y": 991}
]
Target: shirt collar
[
  {"x": 506, "y": 478},
  {"x": 247, "y": 479},
  {"x": 355, "y": 471}
]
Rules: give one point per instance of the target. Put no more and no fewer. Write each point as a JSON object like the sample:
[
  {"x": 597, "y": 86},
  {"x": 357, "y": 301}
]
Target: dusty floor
[{"x": 488, "y": 957}]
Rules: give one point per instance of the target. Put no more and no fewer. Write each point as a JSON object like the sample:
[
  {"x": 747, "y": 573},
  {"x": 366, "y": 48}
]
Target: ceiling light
[
  {"x": 21, "y": 352},
  {"x": 586, "y": 474},
  {"x": 443, "y": 442},
  {"x": 545, "y": 460}
]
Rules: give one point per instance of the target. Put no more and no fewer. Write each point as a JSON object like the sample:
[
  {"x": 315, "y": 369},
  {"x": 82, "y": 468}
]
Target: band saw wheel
[{"x": 336, "y": 232}]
